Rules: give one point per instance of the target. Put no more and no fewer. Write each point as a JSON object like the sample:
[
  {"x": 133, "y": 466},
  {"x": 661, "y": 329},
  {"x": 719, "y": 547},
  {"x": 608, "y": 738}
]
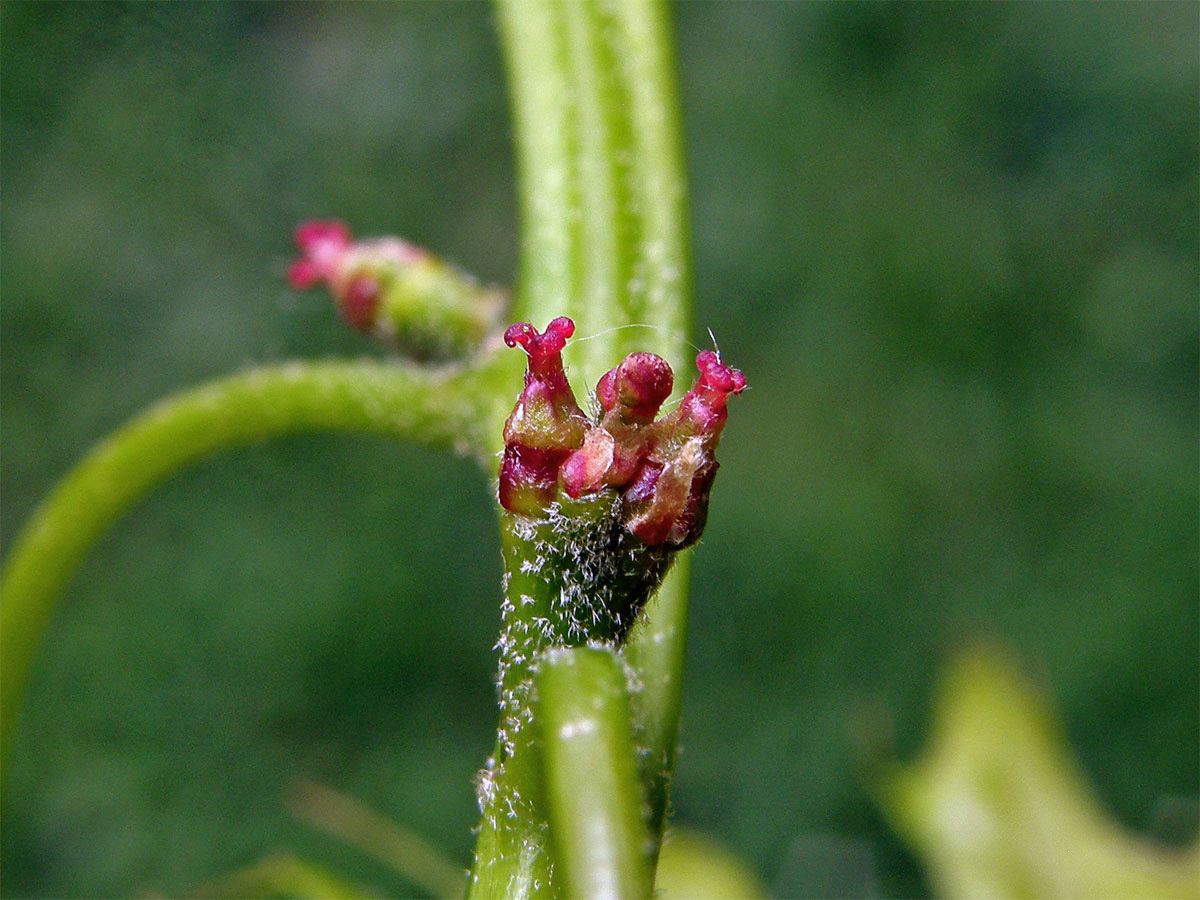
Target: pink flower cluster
[
  {"x": 355, "y": 271},
  {"x": 661, "y": 470}
]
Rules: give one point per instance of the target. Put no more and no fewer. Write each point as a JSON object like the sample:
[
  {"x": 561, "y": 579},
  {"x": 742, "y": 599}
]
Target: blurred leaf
[
  {"x": 997, "y": 807},
  {"x": 281, "y": 877},
  {"x": 410, "y": 855},
  {"x": 697, "y": 867}
]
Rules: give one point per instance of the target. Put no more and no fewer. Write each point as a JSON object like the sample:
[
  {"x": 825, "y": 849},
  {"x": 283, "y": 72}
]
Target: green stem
[
  {"x": 607, "y": 223},
  {"x": 604, "y": 230},
  {"x": 593, "y": 795},
  {"x": 383, "y": 398},
  {"x": 566, "y": 585},
  {"x": 543, "y": 124},
  {"x": 511, "y": 856},
  {"x": 604, "y": 241},
  {"x": 655, "y": 654}
]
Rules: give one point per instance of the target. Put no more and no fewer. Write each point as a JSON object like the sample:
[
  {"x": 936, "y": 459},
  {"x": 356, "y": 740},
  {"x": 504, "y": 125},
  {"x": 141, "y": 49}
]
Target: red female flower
[{"x": 661, "y": 471}]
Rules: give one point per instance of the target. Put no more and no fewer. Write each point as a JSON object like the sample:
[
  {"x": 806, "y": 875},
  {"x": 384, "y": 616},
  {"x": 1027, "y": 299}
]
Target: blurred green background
[{"x": 954, "y": 247}]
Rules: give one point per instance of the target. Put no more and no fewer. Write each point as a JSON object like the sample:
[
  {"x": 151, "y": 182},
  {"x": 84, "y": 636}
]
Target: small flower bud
[
  {"x": 323, "y": 244},
  {"x": 545, "y": 426},
  {"x": 667, "y": 501},
  {"x": 596, "y": 508},
  {"x": 588, "y": 467},
  {"x": 395, "y": 291},
  {"x": 630, "y": 396},
  {"x": 704, "y": 405},
  {"x": 636, "y": 388}
]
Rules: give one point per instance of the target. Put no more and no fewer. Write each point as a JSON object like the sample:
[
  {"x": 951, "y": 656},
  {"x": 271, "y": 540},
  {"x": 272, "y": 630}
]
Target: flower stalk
[
  {"x": 595, "y": 510},
  {"x": 594, "y": 797},
  {"x": 604, "y": 243}
]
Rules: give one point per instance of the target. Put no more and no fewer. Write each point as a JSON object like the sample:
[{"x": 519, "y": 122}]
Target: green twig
[
  {"x": 383, "y": 398},
  {"x": 541, "y": 593},
  {"x": 593, "y": 795},
  {"x": 604, "y": 242},
  {"x": 655, "y": 653}
]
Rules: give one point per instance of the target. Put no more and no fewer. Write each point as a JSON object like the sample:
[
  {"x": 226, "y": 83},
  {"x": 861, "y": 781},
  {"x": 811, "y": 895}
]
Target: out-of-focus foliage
[
  {"x": 996, "y": 807},
  {"x": 281, "y": 877},
  {"x": 694, "y": 866},
  {"x": 954, "y": 247}
]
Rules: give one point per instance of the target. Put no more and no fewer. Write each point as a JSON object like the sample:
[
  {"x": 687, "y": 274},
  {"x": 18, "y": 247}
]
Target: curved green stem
[
  {"x": 384, "y": 398},
  {"x": 593, "y": 795}
]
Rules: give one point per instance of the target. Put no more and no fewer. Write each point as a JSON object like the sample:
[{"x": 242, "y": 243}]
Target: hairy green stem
[
  {"x": 511, "y": 856},
  {"x": 384, "y": 398},
  {"x": 604, "y": 241},
  {"x": 655, "y": 654},
  {"x": 593, "y": 794},
  {"x": 551, "y": 599}
]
